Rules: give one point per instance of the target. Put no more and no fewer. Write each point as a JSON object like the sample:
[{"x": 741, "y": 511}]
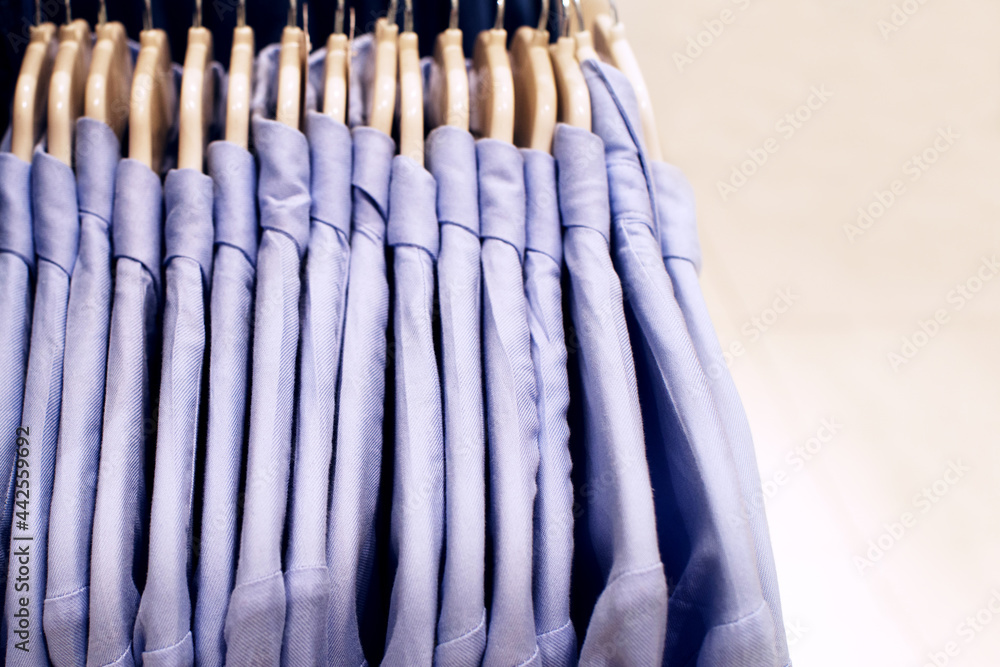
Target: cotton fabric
[
  {"x": 322, "y": 320},
  {"x": 163, "y": 625},
  {"x": 255, "y": 619},
  {"x": 511, "y": 404},
  {"x": 553, "y": 523},
  {"x": 56, "y": 230},
  {"x": 461, "y": 628},
  {"x": 418, "y": 475},
  {"x": 682, "y": 256},
  {"x": 234, "y": 179},
  {"x": 617, "y": 560},
  {"x": 88, "y": 319},
  {"x": 17, "y": 267},
  {"x": 717, "y": 612},
  {"x": 121, "y": 516}
]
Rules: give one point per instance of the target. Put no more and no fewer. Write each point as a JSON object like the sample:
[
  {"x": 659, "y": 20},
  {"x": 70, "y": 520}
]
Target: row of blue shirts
[{"x": 326, "y": 405}]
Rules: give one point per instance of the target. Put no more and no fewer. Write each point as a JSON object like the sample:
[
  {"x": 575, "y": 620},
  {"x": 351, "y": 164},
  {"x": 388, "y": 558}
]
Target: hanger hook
[
  {"x": 102, "y": 12},
  {"x": 197, "y": 13},
  {"x": 69, "y": 12},
  {"x": 241, "y": 13},
  {"x": 38, "y": 12},
  {"x": 564, "y": 18},
  {"x": 543, "y": 17},
  {"x": 614, "y": 11},
  {"x": 338, "y": 17},
  {"x": 579, "y": 15},
  {"x": 501, "y": 8},
  {"x": 393, "y": 10},
  {"x": 408, "y": 16},
  {"x": 293, "y": 15},
  {"x": 453, "y": 17},
  {"x": 148, "y": 18}
]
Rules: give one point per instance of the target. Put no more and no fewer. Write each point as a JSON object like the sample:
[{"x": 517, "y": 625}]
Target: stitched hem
[
  {"x": 482, "y": 624},
  {"x": 67, "y": 595},
  {"x": 171, "y": 647},
  {"x": 562, "y": 627}
]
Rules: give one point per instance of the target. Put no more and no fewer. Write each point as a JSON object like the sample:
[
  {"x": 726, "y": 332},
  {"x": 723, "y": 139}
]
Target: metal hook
[
  {"x": 501, "y": 8},
  {"x": 564, "y": 18},
  {"x": 293, "y": 16},
  {"x": 543, "y": 17},
  {"x": 69, "y": 12},
  {"x": 197, "y": 13},
  {"x": 241, "y": 13},
  {"x": 102, "y": 12},
  {"x": 453, "y": 18},
  {"x": 408, "y": 16},
  {"x": 393, "y": 10},
  {"x": 147, "y": 20},
  {"x": 614, "y": 11},
  {"x": 338, "y": 17},
  {"x": 38, "y": 12},
  {"x": 579, "y": 15}
]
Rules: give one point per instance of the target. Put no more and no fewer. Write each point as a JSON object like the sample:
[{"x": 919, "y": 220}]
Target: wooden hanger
[
  {"x": 613, "y": 45},
  {"x": 32, "y": 88},
  {"x": 535, "y": 96},
  {"x": 197, "y": 96},
  {"x": 152, "y": 100},
  {"x": 110, "y": 78},
  {"x": 291, "y": 71},
  {"x": 383, "y": 107},
  {"x": 411, "y": 91},
  {"x": 67, "y": 86},
  {"x": 495, "y": 81},
  {"x": 452, "y": 104},
  {"x": 335, "y": 73},
  {"x": 240, "y": 80},
  {"x": 574, "y": 96}
]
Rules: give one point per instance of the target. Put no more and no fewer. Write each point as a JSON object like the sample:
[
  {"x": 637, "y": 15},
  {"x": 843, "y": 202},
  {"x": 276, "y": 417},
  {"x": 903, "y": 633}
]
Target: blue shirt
[
  {"x": 255, "y": 619},
  {"x": 717, "y": 611},
  {"x": 553, "y": 548},
  {"x": 511, "y": 405},
  {"x": 418, "y": 474},
  {"x": 234, "y": 176},
  {"x": 620, "y": 592},
  {"x": 88, "y": 319},
  {"x": 163, "y": 623},
  {"x": 682, "y": 256},
  {"x": 57, "y": 231},
  {"x": 461, "y": 630},
  {"x": 118, "y": 551},
  {"x": 17, "y": 266},
  {"x": 324, "y": 299}
]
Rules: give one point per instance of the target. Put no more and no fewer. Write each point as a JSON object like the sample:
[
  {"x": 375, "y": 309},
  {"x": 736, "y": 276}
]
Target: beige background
[{"x": 898, "y": 430}]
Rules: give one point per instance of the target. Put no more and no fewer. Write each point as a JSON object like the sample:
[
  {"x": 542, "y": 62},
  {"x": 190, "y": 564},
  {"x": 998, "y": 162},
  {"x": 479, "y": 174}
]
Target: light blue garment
[
  {"x": 234, "y": 176},
  {"x": 511, "y": 398},
  {"x": 163, "y": 623},
  {"x": 17, "y": 268},
  {"x": 461, "y": 630},
  {"x": 359, "y": 509},
  {"x": 418, "y": 474},
  {"x": 718, "y": 615},
  {"x": 355, "y": 621},
  {"x": 118, "y": 548},
  {"x": 617, "y": 560},
  {"x": 307, "y": 584},
  {"x": 57, "y": 234},
  {"x": 255, "y": 619},
  {"x": 88, "y": 319},
  {"x": 682, "y": 256},
  {"x": 553, "y": 544}
]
